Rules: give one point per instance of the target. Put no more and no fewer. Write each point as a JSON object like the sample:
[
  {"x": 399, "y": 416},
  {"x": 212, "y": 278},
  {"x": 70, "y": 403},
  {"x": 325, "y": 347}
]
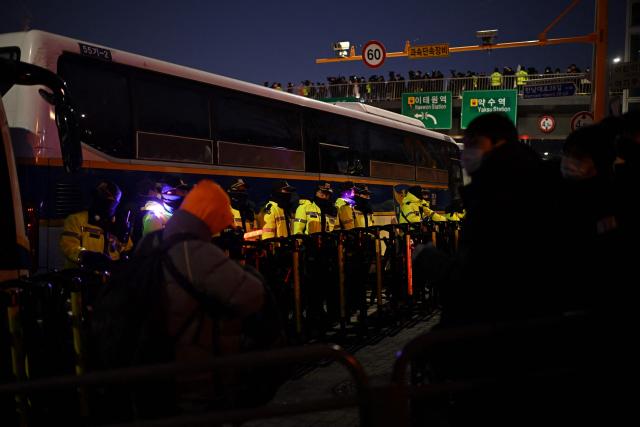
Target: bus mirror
[{"x": 68, "y": 131}]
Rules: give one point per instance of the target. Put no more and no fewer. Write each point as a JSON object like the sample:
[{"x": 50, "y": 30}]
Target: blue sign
[{"x": 549, "y": 91}]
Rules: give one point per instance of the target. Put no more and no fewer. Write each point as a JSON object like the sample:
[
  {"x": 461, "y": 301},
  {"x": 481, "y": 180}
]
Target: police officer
[
  {"x": 496, "y": 79},
  {"x": 415, "y": 208},
  {"x": 521, "y": 78},
  {"x": 156, "y": 213},
  {"x": 88, "y": 236},
  {"x": 317, "y": 215},
  {"x": 360, "y": 215},
  {"x": 346, "y": 195},
  {"x": 275, "y": 214},
  {"x": 243, "y": 216}
]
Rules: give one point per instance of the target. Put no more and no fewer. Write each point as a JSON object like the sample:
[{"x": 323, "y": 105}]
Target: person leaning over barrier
[
  {"x": 416, "y": 209},
  {"x": 502, "y": 268},
  {"x": 201, "y": 276}
]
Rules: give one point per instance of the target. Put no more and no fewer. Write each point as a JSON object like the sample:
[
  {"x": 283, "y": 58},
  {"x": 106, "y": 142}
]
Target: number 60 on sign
[{"x": 373, "y": 54}]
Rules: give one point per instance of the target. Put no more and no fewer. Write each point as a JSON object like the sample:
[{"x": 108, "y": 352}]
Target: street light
[{"x": 617, "y": 59}]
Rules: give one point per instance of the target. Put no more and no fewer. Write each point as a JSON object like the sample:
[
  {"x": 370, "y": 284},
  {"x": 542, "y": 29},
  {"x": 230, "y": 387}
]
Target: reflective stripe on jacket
[{"x": 79, "y": 235}]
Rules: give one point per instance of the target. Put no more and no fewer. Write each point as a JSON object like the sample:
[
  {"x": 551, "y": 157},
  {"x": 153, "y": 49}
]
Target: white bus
[{"x": 145, "y": 117}]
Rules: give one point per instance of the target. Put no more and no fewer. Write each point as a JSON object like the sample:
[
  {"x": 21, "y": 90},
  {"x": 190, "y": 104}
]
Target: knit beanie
[{"x": 210, "y": 203}]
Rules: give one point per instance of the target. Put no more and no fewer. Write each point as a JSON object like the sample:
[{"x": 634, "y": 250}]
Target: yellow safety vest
[
  {"x": 496, "y": 79},
  {"x": 237, "y": 221},
  {"x": 308, "y": 219},
  {"x": 415, "y": 210},
  {"x": 275, "y": 222},
  {"x": 351, "y": 218},
  {"x": 79, "y": 235},
  {"x": 522, "y": 78},
  {"x": 155, "y": 218}
]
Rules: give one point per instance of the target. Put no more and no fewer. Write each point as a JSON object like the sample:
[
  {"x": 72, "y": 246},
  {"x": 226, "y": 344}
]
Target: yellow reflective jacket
[
  {"x": 275, "y": 222},
  {"x": 78, "y": 235},
  {"x": 350, "y": 217},
  {"x": 455, "y": 216},
  {"x": 416, "y": 210},
  {"x": 308, "y": 219},
  {"x": 155, "y": 217},
  {"x": 237, "y": 221},
  {"x": 522, "y": 77},
  {"x": 496, "y": 79}
]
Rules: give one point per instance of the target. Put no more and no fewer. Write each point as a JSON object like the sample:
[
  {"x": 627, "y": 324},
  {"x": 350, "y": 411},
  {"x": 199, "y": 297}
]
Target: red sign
[
  {"x": 546, "y": 123},
  {"x": 373, "y": 54},
  {"x": 581, "y": 119}
]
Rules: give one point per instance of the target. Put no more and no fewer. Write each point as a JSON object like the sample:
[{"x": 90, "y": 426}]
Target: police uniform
[
  {"x": 275, "y": 222},
  {"x": 308, "y": 219},
  {"x": 350, "y": 218},
  {"x": 155, "y": 217},
  {"x": 237, "y": 221},
  {"x": 78, "y": 235},
  {"x": 415, "y": 210}
]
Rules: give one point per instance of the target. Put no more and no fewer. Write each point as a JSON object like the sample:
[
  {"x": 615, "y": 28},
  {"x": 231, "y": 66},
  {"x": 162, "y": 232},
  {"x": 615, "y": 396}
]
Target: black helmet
[
  {"x": 282, "y": 186},
  {"x": 239, "y": 185},
  {"x": 362, "y": 190}
]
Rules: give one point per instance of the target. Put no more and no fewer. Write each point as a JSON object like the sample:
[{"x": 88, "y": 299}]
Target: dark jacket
[
  {"x": 502, "y": 268},
  {"x": 238, "y": 291}
]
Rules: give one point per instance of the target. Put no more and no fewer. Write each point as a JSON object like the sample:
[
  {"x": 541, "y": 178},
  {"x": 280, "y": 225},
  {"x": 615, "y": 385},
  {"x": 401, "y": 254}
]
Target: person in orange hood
[{"x": 218, "y": 281}]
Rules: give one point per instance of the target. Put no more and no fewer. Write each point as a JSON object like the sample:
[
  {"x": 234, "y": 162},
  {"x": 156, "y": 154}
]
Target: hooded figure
[{"x": 238, "y": 291}]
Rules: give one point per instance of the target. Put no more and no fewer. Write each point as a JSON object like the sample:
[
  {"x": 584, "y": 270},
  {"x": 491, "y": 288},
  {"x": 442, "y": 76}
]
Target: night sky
[{"x": 280, "y": 40}]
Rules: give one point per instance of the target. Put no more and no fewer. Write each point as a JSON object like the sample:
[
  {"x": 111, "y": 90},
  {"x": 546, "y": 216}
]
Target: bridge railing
[{"x": 379, "y": 91}]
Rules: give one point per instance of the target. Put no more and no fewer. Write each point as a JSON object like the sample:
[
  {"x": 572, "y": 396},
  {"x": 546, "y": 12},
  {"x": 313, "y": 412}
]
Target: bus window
[
  {"x": 248, "y": 119},
  {"x": 390, "y": 145},
  {"x": 101, "y": 97},
  {"x": 337, "y": 145},
  {"x": 12, "y": 53},
  {"x": 165, "y": 105}
]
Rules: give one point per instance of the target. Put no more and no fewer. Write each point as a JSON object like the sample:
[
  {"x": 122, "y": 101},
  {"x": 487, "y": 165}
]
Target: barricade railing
[
  {"x": 262, "y": 359},
  {"x": 379, "y": 91}
]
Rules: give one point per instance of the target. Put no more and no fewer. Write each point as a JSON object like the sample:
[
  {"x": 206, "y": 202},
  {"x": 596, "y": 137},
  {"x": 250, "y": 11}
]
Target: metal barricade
[{"x": 263, "y": 360}]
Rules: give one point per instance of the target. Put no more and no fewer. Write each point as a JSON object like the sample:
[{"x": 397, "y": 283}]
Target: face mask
[
  {"x": 576, "y": 170},
  {"x": 171, "y": 202},
  {"x": 238, "y": 199},
  {"x": 323, "y": 204},
  {"x": 282, "y": 199},
  {"x": 363, "y": 205},
  {"x": 471, "y": 159}
]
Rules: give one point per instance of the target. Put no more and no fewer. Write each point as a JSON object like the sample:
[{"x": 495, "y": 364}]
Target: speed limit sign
[{"x": 373, "y": 54}]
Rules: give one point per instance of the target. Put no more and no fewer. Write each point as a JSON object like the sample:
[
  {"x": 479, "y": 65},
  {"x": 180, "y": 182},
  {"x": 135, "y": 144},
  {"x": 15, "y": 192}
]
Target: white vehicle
[
  {"x": 145, "y": 117},
  {"x": 16, "y": 247}
]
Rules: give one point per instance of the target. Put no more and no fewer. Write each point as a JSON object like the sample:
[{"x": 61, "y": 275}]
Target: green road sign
[
  {"x": 341, "y": 99},
  {"x": 477, "y": 102},
  {"x": 432, "y": 108}
]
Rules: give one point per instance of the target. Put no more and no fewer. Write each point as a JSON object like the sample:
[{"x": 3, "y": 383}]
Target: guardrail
[
  {"x": 377, "y": 91},
  {"x": 402, "y": 402},
  {"x": 262, "y": 359}
]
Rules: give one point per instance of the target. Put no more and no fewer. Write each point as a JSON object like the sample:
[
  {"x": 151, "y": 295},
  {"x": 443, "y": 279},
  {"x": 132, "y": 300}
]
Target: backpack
[{"x": 129, "y": 328}]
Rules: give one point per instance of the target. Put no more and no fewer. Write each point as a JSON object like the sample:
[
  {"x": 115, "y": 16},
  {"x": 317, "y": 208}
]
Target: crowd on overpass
[{"x": 379, "y": 88}]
